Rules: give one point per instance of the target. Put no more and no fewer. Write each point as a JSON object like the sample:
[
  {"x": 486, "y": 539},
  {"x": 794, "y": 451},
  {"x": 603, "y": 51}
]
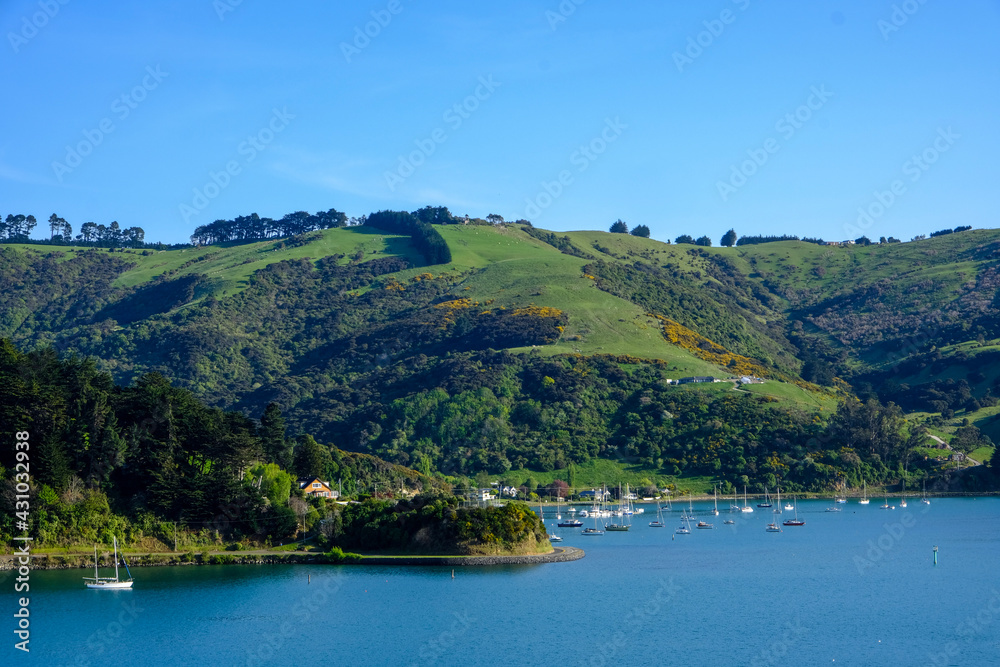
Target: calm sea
[{"x": 857, "y": 587}]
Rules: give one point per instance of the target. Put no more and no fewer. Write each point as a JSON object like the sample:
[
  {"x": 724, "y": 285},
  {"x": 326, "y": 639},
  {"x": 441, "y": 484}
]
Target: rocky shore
[{"x": 80, "y": 561}]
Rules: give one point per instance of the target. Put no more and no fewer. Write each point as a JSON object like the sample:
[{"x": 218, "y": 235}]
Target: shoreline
[
  {"x": 811, "y": 495},
  {"x": 8, "y": 562}
]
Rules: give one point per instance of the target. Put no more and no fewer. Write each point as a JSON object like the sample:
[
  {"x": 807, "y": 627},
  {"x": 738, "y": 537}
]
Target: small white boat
[
  {"x": 864, "y": 499},
  {"x": 773, "y": 528},
  {"x": 109, "y": 583},
  {"x": 746, "y": 508},
  {"x": 555, "y": 538},
  {"x": 659, "y": 519},
  {"x": 833, "y": 507}
]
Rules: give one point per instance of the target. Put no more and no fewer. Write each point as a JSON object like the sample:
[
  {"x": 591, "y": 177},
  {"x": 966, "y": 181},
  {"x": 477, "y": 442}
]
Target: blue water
[{"x": 827, "y": 593}]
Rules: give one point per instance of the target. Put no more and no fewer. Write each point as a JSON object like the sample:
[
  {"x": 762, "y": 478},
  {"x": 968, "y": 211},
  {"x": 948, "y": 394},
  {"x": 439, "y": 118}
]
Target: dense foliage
[
  {"x": 758, "y": 239},
  {"x": 17, "y": 229},
  {"x": 253, "y": 227},
  {"x": 104, "y": 457},
  {"x": 436, "y": 525}
]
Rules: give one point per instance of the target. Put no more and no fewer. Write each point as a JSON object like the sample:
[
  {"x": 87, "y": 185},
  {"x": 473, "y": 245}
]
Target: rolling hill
[{"x": 365, "y": 345}]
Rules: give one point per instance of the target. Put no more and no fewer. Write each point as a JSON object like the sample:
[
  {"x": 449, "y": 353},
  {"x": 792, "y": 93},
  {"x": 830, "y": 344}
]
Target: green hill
[{"x": 530, "y": 348}]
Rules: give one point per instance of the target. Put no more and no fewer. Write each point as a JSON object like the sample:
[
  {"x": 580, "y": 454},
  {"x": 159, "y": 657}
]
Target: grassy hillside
[{"x": 349, "y": 329}]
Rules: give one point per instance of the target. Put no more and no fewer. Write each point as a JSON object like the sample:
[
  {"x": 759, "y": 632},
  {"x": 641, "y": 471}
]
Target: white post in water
[{"x": 935, "y": 554}]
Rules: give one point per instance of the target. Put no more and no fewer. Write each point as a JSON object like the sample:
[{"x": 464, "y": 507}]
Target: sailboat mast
[
  {"x": 95, "y": 561},
  {"x": 116, "y": 557}
]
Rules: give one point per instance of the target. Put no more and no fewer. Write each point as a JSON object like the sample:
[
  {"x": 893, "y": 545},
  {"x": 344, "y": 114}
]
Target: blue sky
[{"x": 786, "y": 119}]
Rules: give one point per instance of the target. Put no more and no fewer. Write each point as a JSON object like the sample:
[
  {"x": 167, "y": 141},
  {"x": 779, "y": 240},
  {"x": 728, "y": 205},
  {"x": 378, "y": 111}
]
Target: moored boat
[
  {"x": 795, "y": 521},
  {"x": 110, "y": 583}
]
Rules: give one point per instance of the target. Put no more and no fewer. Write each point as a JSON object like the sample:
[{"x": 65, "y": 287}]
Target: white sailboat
[
  {"x": 924, "y": 500},
  {"x": 659, "y": 518},
  {"x": 833, "y": 507},
  {"x": 115, "y": 582},
  {"x": 773, "y": 527},
  {"x": 735, "y": 507},
  {"x": 746, "y": 507},
  {"x": 864, "y": 498},
  {"x": 715, "y": 500}
]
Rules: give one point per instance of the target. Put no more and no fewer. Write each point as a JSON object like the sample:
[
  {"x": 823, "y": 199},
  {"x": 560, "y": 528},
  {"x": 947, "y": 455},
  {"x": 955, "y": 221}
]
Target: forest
[
  {"x": 106, "y": 459},
  {"x": 134, "y": 459}
]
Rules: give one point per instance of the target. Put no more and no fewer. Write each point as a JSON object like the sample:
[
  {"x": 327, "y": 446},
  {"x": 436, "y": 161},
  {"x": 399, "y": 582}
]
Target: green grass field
[{"x": 499, "y": 267}]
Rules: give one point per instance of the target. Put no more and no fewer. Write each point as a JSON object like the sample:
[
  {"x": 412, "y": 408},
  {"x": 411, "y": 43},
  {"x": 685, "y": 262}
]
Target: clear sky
[{"x": 643, "y": 110}]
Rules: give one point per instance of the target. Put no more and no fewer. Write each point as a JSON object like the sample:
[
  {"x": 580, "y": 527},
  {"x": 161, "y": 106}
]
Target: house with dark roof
[{"x": 314, "y": 486}]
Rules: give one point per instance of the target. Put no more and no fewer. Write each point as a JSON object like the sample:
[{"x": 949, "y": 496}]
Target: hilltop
[{"x": 531, "y": 348}]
